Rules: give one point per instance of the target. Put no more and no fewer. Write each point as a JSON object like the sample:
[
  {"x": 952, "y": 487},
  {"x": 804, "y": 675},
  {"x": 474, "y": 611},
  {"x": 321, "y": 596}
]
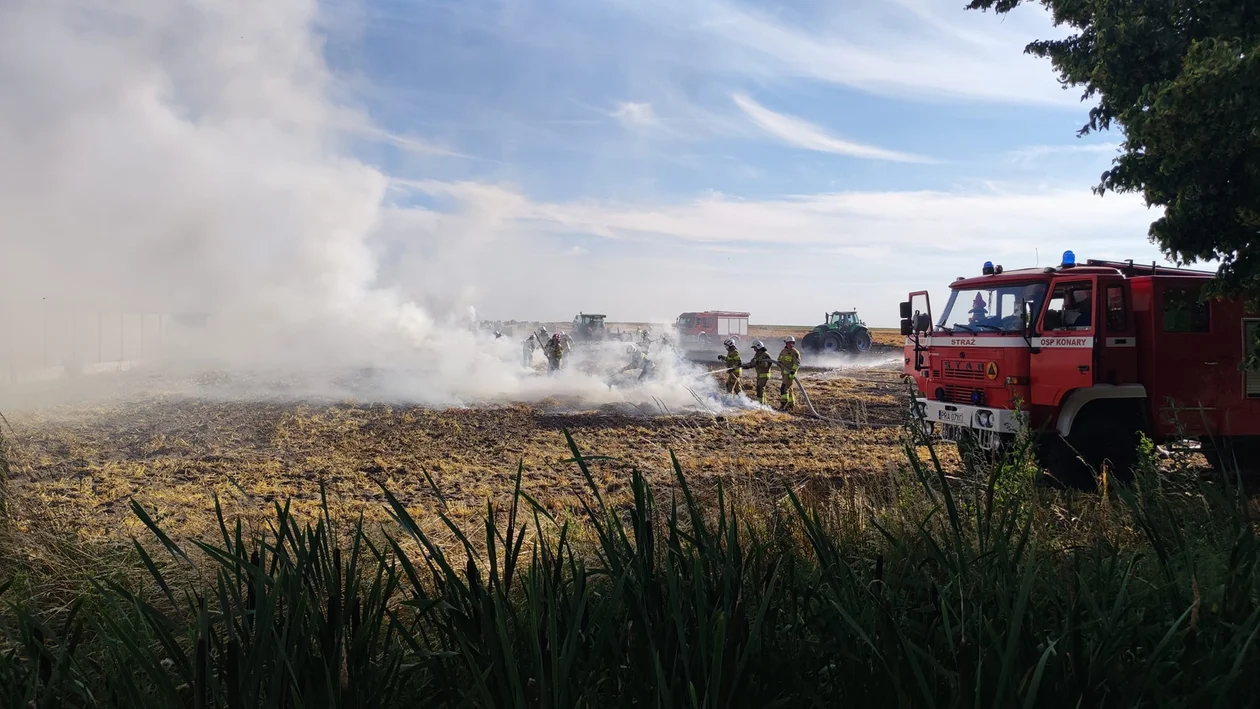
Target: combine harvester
[{"x": 1090, "y": 356}]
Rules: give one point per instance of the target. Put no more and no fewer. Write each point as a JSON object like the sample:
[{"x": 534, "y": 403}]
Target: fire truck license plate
[{"x": 950, "y": 416}]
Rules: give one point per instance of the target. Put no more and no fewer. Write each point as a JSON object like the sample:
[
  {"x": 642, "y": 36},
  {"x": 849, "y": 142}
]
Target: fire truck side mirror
[
  {"x": 906, "y": 328},
  {"x": 905, "y": 310},
  {"x": 922, "y": 322}
]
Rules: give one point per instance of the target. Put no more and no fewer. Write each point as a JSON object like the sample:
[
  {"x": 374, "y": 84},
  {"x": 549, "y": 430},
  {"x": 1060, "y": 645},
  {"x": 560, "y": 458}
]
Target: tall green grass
[
  {"x": 925, "y": 590},
  {"x": 4, "y": 474}
]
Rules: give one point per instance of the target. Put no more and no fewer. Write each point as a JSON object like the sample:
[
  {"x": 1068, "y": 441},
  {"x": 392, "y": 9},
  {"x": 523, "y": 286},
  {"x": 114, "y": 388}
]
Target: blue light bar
[
  {"x": 1069, "y": 259},
  {"x": 987, "y": 269}
]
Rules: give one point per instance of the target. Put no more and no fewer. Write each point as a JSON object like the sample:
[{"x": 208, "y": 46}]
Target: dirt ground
[{"x": 173, "y": 454}]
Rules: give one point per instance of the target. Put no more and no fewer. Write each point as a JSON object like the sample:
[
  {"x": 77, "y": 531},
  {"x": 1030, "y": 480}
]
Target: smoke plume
[{"x": 193, "y": 157}]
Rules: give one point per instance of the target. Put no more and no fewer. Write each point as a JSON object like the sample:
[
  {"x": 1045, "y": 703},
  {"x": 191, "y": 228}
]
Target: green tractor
[
  {"x": 842, "y": 332},
  {"x": 588, "y": 327}
]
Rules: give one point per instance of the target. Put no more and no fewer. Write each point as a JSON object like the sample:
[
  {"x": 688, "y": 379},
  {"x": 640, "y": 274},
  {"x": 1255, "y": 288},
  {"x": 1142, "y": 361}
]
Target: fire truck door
[
  {"x": 1116, "y": 360},
  {"x": 1064, "y": 354}
]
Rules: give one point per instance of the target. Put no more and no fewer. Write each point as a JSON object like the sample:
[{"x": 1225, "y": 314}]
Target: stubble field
[{"x": 173, "y": 455}]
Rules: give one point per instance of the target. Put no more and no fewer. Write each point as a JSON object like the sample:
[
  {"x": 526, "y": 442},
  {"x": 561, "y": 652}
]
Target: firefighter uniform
[
  {"x": 762, "y": 363},
  {"x": 555, "y": 353},
  {"x": 789, "y": 362},
  {"x": 640, "y": 361},
  {"x": 527, "y": 352},
  {"x": 734, "y": 378}
]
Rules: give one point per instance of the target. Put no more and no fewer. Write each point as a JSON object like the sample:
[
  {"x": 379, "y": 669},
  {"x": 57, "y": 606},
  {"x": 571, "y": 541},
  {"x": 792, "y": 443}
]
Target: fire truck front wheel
[{"x": 1102, "y": 436}]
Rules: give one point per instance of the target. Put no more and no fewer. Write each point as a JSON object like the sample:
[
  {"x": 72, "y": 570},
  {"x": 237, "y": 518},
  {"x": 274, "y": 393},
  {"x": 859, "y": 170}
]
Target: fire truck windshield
[{"x": 994, "y": 309}]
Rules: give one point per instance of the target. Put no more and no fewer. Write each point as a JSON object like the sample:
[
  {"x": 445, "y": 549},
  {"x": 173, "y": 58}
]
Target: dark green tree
[{"x": 1182, "y": 79}]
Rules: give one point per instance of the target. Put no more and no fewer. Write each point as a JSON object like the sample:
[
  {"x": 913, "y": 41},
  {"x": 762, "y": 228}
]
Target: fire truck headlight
[
  {"x": 977, "y": 397},
  {"x": 984, "y": 419}
]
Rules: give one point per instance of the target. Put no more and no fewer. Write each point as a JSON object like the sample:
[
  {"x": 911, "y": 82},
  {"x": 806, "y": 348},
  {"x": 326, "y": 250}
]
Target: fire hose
[
  {"x": 797, "y": 380},
  {"x": 810, "y": 404}
]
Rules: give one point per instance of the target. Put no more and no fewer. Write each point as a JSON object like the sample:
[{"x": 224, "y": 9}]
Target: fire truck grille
[
  {"x": 964, "y": 370},
  {"x": 957, "y": 394}
]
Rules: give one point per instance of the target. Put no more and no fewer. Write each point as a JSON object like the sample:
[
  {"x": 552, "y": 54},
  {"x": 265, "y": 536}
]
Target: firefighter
[
  {"x": 789, "y": 362},
  {"x": 978, "y": 310},
  {"x": 565, "y": 340},
  {"x": 734, "y": 376},
  {"x": 527, "y": 351},
  {"x": 639, "y": 361},
  {"x": 762, "y": 363},
  {"x": 1078, "y": 311},
  {"x": 554, "y": 349}
]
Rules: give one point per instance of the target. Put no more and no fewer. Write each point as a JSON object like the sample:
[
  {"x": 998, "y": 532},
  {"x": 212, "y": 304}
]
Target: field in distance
[{"x": 887, "y": 337}]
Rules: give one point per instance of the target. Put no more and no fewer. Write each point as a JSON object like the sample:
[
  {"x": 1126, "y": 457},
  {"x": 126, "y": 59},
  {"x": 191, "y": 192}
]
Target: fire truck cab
[{"x": 1088, "y": 355}]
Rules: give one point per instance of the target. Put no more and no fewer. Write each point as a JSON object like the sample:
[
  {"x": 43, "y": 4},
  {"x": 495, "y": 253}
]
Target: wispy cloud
[
  {"x": 955, "y": 221},
  {"x": 366, "y": 130},
  {"x": 906, "y": 49},
  {"x": 1034, "y": 153},
  {"x": 804, "y": 134},
  {"x": 636, "y": 114},
  {"x": 888, "y": 240}
]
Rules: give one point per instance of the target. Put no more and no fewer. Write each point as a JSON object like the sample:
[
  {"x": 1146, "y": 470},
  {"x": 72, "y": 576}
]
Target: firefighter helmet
[
  {"x": 789, "y": 339},
  {"x": 758, "y": 345},
  {"x": 729, "y": 342}
]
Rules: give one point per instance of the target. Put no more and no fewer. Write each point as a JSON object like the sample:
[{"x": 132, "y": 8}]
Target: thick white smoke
[{"x": 189, "y": 156}]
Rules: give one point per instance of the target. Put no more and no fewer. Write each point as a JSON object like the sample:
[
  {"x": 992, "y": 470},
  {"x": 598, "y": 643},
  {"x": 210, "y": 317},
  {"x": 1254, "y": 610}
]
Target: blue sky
[{"x": 649, "y": 157}]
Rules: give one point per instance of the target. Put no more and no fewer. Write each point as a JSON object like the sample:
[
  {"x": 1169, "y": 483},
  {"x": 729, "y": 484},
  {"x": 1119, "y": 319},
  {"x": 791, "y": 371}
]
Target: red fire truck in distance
[
  {"x": 711, "y": 326},
  {"x": 1089, "y": 355}
]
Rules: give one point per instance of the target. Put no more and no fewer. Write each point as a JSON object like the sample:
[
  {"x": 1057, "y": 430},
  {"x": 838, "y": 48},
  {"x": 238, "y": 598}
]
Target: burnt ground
[{"x": 174, "y": 454}]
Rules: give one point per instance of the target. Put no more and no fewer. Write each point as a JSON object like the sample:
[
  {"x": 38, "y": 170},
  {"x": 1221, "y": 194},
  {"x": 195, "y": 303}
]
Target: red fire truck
[
  {"x": 1088, "y": 355},
  {"x": 711, "y": 326}
]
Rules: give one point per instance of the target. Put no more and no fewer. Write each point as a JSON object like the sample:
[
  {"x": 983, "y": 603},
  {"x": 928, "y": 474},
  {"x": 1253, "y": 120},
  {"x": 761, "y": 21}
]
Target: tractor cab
[
  {"x": 588, "y": 326},
  {"x": 844, "y": 319}
]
